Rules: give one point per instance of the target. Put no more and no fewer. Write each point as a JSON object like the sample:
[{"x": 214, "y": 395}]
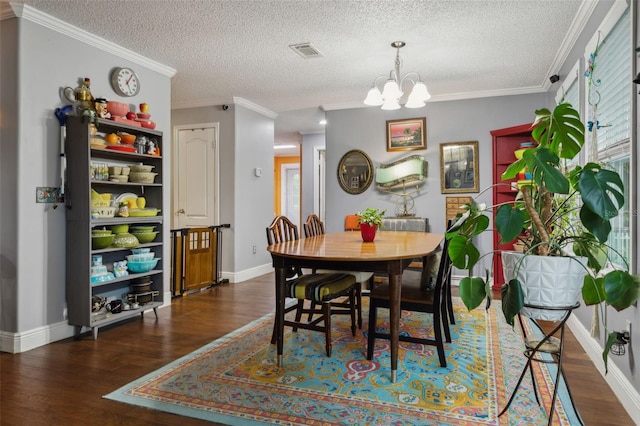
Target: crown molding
[
  {"x": 577, "y": 26},
  {"x": 7, "y": 11},
  {"x": 29, "y": 13},
  {"x": 254, "y": 107},
  {"x": 235, "y": 100}
]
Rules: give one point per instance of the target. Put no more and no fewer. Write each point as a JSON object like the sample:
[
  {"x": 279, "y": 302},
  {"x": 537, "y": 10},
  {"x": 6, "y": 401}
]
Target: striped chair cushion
[{"x": 320, "y": 287}]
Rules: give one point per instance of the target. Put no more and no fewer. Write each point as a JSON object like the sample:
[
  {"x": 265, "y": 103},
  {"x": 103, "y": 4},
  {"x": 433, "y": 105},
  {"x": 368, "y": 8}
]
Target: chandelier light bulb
[
  {"x": 414, "y": 101},
  {"x": 374, "y": 97},
  {"x": 420, "y": 89},
  {"x": 390, "y": 104},
  {"x": 391, "y": 90}
]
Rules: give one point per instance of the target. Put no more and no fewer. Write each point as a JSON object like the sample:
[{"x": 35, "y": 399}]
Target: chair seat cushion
[
  {"x": 320, "y": 287},
  {"x": 361, "y": 277}
]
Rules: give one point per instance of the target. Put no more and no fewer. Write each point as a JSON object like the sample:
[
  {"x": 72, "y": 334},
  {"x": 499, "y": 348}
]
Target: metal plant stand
[{"x": 535, "y": 348}]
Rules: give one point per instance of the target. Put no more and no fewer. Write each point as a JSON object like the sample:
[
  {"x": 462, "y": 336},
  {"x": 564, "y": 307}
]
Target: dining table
[{"x": 389, "y": 254}]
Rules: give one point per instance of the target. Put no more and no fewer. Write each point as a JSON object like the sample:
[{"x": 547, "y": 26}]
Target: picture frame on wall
[
  {"x": 407, "y": 134},
  {"x": 458, "y": 171}
]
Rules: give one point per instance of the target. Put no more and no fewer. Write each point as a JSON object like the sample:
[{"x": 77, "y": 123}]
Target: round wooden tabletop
[{"x": 345, "y": 246}]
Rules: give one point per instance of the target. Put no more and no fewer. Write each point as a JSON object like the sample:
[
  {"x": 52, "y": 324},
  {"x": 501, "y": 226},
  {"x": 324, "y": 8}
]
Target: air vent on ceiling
[{"x": 306, "y": 50}]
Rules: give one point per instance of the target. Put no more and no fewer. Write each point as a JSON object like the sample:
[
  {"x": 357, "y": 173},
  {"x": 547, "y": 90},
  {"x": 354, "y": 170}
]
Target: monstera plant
[{"x": 557, "y": 213}]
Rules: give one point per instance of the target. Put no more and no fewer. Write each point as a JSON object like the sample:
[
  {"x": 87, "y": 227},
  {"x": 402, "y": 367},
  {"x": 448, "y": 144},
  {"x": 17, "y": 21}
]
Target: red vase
[{"x": 368, "y": 232}]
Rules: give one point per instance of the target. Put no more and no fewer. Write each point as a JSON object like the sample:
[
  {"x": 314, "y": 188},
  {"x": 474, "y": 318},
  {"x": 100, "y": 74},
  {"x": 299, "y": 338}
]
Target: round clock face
[{"x": 125, "y": 82}]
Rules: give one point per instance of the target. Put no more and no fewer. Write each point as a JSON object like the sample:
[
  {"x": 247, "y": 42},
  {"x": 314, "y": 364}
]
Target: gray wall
[
  {"x": 9, "y": 176},
  {"x": 452, "y": 121},
  {"x": 33, "y": 235},
  {"x": 254, "y": 195}
]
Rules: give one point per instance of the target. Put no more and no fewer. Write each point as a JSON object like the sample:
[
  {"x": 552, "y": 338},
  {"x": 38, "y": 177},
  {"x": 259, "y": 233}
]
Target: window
[{"x": 608, "y": 105}]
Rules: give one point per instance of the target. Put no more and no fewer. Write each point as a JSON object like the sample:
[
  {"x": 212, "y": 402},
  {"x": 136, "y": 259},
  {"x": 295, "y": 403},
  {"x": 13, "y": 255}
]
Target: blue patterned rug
[{"x": 234, "y": 380}]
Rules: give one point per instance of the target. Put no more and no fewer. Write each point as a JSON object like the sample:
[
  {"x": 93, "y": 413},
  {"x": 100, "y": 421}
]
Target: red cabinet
[{"x": 504, "y": 143}]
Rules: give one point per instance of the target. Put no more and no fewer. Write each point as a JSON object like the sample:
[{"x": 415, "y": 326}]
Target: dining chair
[
  {"x": 352, "y": 222},
  {"x": 320, "y": 289},
  {"x": 314, "y": 226},
  {"x": 416, "y": 299},
  {"x": 430, "y": 263}
]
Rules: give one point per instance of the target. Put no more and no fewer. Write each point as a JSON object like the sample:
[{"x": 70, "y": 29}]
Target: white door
[
  {"x": 290, "y": 193},
  {"x": 195, "y": 182},
  {"x": 319, "y": 182}
]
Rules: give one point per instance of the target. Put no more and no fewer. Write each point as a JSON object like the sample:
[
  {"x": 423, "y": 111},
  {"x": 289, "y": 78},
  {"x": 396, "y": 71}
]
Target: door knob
[{"x": 181, "y": 211}]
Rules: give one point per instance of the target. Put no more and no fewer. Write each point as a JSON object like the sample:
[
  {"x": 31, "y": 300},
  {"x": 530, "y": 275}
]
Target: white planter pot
[{"x": 546, "y": 281}]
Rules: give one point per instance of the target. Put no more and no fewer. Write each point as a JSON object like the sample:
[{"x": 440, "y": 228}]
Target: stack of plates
[{"x": 98, "y": 143}]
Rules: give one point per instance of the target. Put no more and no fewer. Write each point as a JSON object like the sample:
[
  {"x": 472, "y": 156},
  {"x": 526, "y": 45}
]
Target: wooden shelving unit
[
  {"x": 504, "y": 143},
  {"x": 79, "y": 222}
]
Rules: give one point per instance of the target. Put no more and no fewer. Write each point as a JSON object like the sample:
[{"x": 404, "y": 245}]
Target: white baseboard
[
  {"x": 31, "y": 339},
  {"x": 619, "y": 384},
  {"x": 21, "y": 342},
  {"x": 247, "y": 274}
]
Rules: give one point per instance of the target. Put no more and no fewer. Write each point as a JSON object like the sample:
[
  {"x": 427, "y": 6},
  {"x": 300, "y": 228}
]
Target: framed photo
[
  {"x": 458, "y": 171},
  {"x": 406, "y": 134}
]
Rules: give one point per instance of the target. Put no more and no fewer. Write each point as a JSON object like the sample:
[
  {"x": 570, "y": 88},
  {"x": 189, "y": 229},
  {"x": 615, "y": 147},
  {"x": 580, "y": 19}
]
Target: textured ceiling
[{"x": 240, "y": 48}]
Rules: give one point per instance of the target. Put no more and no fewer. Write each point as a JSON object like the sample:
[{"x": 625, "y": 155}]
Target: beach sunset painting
[{"x": 406, "y": 134}]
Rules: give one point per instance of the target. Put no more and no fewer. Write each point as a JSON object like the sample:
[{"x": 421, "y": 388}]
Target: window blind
[{"x": 612, "y": 77}]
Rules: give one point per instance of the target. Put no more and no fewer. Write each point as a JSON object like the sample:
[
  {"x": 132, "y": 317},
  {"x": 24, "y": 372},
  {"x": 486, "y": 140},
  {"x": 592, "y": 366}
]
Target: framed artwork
[
  {"x": 406, "y": 134},
  {"x": 458, "y": 170}
]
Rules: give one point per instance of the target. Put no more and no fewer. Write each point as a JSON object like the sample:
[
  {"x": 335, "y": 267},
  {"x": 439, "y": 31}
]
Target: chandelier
[{"x": 392, "y": 91}]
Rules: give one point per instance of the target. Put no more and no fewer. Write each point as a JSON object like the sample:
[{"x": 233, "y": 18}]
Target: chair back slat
[
  {"x": 281, "y": 230},
  {"x": 313, "y": 226}
]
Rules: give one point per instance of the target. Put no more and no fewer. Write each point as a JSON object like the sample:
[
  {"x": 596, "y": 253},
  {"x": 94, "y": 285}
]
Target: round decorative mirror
[{"x": 355, "y": 172}]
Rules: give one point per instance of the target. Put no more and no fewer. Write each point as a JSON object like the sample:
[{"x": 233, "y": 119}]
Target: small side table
[{"x": 549, "y": 344}]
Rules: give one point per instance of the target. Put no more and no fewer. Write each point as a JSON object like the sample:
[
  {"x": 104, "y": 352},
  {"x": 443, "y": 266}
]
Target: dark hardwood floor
[{"x": 63, "y": 383}]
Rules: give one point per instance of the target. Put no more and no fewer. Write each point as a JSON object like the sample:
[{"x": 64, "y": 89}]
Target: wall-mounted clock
[{"x": 125, "y": 82}]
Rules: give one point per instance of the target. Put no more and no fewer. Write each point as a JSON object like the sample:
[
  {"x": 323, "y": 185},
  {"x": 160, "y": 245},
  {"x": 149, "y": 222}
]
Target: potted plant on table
[
  {"x": 370, "y": 220},
  {"x": 559, "y": 216}
]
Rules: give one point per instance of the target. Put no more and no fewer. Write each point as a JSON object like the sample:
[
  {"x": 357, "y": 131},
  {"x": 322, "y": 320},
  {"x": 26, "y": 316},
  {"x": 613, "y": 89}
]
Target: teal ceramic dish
[{"x": 142, "y": 267}]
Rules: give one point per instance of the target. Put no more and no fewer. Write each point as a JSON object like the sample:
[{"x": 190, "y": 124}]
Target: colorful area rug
[{"x": 234, "y": 380}]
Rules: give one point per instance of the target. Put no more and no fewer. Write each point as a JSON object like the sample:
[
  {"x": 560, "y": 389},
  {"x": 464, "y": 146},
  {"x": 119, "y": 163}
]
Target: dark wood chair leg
[
  {"x": 326, "y": 309},
  {"x": 371, "y": 337},
  {"x": 299, "y": 308},
  {"x": 352, "y": 309},
  {"x": 359, "y": 304},
  {"x": 437, "y": 321},
  {"x": 313, "y": 308}
]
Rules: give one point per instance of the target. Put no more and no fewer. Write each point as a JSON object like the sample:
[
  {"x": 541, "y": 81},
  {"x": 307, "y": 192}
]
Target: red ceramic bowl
[
  {"x": 148, "y": 124},
  {"x": 126, "y": 138},
  {"x": 117, "y": 109}
]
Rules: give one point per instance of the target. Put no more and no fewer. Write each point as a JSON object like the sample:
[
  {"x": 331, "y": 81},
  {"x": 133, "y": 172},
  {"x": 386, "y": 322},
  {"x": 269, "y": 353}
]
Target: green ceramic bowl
[
  {"x": 101, "y": 241},
  {"x": 137, "y": 229},
  {"x": 145, "y": 237},
  {"x": 125, "y": 240},
  {"x": 120, "y": 229}
]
